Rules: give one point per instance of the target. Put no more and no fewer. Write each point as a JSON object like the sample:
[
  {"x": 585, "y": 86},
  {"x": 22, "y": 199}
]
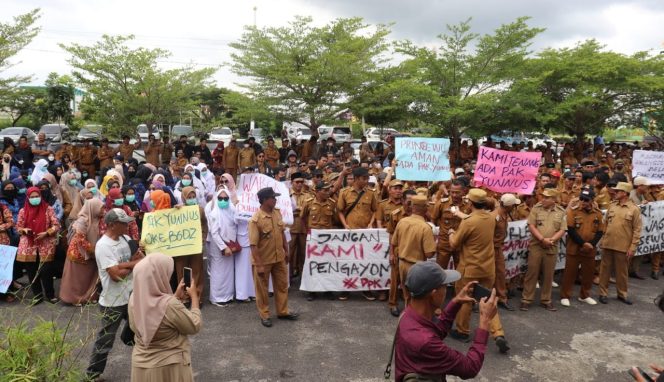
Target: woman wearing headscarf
[
  {"x": 8, "y": 146},
  {"x": 21, "y": 190},
  {"x": 195, "y": 262},
  {"x": 220, "y": 214},
  {"x": 110, "y": 175},
  {"x": 133, "y": 204},
  {"x": 80, "y": 276},
  {"x": 218, "y": 156},
  {"x": 188, "y": 180},
  {"x": 9, "y": 199},
  {"x": 227, "y": 181},
  {"x": 161, "y": 323},
  {"x": 41, "y": 169},
  {"x": 207, "y": 177},
  {"x": 70, "y": 189},
  {"x": 38, "y": 226},
  {"x": 91, "y": 185},
  {"x": 115, "y": 199},
  {"x": 50, "y": 199},
  {"x": 244, "y": 276},
  {"x": 7, "y": 221}
]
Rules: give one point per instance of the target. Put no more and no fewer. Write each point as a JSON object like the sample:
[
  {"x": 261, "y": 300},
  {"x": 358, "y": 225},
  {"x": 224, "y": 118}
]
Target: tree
[
  {"x": 22, "y": 102},
  {"x": 126, "y": 87},
  {"x": 58, "y": 99},
  {"x": 14, "y": 37},
  {"x": 309, "y": 74},
  {"x": 462, "y": 81},
  {"x": 239, "y": 109}
]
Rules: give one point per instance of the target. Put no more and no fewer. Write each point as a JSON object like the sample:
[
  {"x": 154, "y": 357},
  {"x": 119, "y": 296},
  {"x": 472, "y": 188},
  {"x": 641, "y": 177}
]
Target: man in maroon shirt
[{"x": 419, "y": 347}]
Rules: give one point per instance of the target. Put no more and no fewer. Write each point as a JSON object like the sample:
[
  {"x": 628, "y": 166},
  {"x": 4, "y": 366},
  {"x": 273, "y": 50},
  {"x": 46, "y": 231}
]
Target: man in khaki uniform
[
  {"x": 271, "y": 153},
  {"x": 568, "y": 192},
  {"x": 298, "y": 233},
  {"x": 153, "y": 151},
  {"x": 547, "y": 224},
  {"x": 384, "y": 213},
  {"x": 318, "y": 212},
  {"x": 640, "y": 196},
  {"x": 502, "y": 215},
  {"x": 68, "y": 149},
  {"x": 356, "y": 208},
  {"x": 413, "y": 240},
  {"x": 309, "y": 149},
  {"x": 474, "y": 240},
  {"x": 105, "y": 154},
  {"x": 87, "y": 155},
  {"x": 623, "y": 232},
  {"x": 269, "y": 257},
  {"x": 584, "y": 230},
  {"x": 446, "y": 215},
  {"x": 166, "y": 151},
  {"x": 247, "y": 156},
  {"x": 127, "y": 149},
  {"x": 230, "y": 156},
  {"x": 395, "y": 280}
]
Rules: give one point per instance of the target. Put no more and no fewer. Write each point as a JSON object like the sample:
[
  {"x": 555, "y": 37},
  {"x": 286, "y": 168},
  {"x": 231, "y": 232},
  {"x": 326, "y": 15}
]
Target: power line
[{"x": 161, "y": 61}]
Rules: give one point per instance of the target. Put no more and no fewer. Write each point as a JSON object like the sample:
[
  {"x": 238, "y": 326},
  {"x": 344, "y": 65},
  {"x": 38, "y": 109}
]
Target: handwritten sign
[
  {"x": 7, "y": 256},
  {"x": 248, "y": 200},
  {"x": 649, "y": 164},
  {"x": 424, "y": 159},
  {"x": 346, "y": 260},
  {"x": 652, "y": 232},
  {"x": 173, "y": 232},
  {"x": 507, "y": 171},
  {"x": 515, "y": 249}
]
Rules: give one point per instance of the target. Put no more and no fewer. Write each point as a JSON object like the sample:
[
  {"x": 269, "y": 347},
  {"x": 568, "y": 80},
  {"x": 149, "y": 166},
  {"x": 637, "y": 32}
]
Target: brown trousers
[
  {"x": 404, "y": 267},
  {"x": 195, "y": 262},
  {"x": 655, "y": 262},
  {"x": 572, "y": 263},
  {"x": 232, "y": 172},
  {"x": 538, "y": 262},
  {"x": 443, "y": 258},
  {"x": 463, "y": 315},
  {"x": 279, "y": 272},
  {"x": 634, "y": 264},
  {"x": 297, "y": 249},
  {"x": 395, "y": 280},
  {"x": 500, "y": 284},
  {"x": 617, "y": 261}
]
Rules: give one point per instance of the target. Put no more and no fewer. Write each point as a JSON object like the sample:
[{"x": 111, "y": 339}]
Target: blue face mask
[
  {"x": 191, "y": 202},
  {"x": 72, "y": 182},
  {"x": 151, "y": 204},
  {"x": 21, "y": 190},
  {"x": 223, "y": 204},
  {"x": 204, "y": 173},
  {"x": 130, "y": 198},
  {"x": 186, "y": 182},
  {"x": 35, "y": 201},
  {"x": 85, "y": 174},
  {"x": 93, "y": 190},
  {"x": 118, "y": 202},
  {"x": 29, "y": 177}
]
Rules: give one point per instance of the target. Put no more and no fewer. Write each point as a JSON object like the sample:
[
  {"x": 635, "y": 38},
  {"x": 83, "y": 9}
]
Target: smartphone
[
  {"x": 187, "y": 277},
  {"x": 644, "y": 375},
  {"x": 480, "y": 292}
]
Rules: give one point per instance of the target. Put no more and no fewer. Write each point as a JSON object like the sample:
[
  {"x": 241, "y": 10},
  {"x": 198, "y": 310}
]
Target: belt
[{"x": 406, "y": 260}]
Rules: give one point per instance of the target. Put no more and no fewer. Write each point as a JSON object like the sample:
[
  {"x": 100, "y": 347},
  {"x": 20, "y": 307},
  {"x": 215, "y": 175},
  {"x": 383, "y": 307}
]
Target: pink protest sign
[{"x": 507, "y": 171}]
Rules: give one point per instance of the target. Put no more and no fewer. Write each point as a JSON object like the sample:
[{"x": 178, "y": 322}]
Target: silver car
[
  {"x": 16, "y": 132},
  {"x": 55, "y": 132},
  {"x": 341, "y": 134}
]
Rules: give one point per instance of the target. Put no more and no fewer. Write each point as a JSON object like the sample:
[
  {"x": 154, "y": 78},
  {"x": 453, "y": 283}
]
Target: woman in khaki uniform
[{"x": 161, "y": 323}]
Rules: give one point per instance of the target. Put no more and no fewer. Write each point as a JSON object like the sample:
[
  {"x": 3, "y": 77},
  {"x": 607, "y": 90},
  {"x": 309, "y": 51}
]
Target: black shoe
[
  {"x": 603, "y": 299},
  {"x": 476, "y": 308},
  {"x": 271, "y": 294},
  {"x": 654, "y": 276},
  {"x": 311, "y": 296},
  {"x": 395, "y": 311},
  {"x": 289, "y": 316},
  {"x": 266, "y": 322},
  {"x": 625, "y": 300},
  {"x": 637, "y": 276},
  {"x": 506, "y": 305},
  {"x": 329, "y": 295},
  {"x": 459, "y": 336},
  {"x": 503, "y": 347}
]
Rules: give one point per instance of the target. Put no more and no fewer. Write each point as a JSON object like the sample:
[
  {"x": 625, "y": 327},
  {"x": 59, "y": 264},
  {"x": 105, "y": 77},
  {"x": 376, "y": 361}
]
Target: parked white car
[
  {"x": 341, "y": 134},
  {"x": 221, "y": 134},
  {"x": 377, "y": 134},
  {"x": 143, "y": 132},
  {"x": 302, "y": 134}
]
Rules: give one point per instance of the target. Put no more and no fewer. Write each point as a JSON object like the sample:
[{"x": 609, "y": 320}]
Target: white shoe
[
  {"x": 588, "y": 300},
  {"x": 564, "y": 302},
  {"x": 554, "y": 284},
  {"x": 537, "y": 285}
]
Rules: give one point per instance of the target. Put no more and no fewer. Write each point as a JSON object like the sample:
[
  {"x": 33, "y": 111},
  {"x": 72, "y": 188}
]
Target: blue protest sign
[
  {"x": 7, "y": 256},
  {"x": 423, "y": 159}
]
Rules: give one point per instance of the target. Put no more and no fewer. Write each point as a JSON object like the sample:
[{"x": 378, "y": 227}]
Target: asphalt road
[{"x": 350, "y": 341}]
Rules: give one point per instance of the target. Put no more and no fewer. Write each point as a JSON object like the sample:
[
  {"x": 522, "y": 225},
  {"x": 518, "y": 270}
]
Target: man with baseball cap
[
  {"x": 419, "y": 350},
  {"x": 623, "y": 232},
  {"x": 115, "y": 263},
  {"x": 269, "y": 257},
  {"x": 384, "y": 214},
  {"x": 474, "y": 240},
  {"x": 584, "y": 230},
  {"x": 502, "y": 215}
]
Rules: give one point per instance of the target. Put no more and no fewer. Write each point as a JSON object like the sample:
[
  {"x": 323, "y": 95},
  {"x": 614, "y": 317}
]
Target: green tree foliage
[
  {"x": 22, "y": 103},
  {"x": 239, "y": 110},
  {"x": 305, "y": 73},
  {"x": 126, "y": 87},
  {"x": 56, "y": 105},
  {"x": 15, "y": 36}
]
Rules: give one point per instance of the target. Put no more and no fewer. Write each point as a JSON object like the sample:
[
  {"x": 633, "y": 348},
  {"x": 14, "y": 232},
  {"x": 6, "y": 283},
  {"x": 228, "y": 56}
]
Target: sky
[{"x": 198, "y": 31}]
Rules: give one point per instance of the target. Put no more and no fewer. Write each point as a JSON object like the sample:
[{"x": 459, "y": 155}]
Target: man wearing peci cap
[
  {"x": 446, "y": 215},
  {"x": 568, "y": 192},
  {"x": 247, "y": 156},
  {"x": 547, "y": 224},
  {"x": 269, "y": 257},
  {"x": 474, "y": 240},
  {"x": 105, "y": 154},
  {"x": 385, "y": 209},
  {"x": 115, "y": 263},
  {"x": 413, "y": 240},
  {"x": 419, "y": 350},
  {"x": 584, "y": 230},
  {"x": 623, "y": 232},
  {"x": 503, "y": 215},
  {"x": 298, "y": 233}
]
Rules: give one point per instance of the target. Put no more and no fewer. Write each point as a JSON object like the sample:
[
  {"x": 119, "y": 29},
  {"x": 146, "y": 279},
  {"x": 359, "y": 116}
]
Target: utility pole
[{"x": 255, "y": 9}]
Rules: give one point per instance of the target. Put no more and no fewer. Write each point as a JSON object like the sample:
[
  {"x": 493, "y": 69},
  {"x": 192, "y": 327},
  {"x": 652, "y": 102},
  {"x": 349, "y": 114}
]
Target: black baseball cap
[
  {"x": 360, "y": 171},
  {"x": 266, "y": 193}
]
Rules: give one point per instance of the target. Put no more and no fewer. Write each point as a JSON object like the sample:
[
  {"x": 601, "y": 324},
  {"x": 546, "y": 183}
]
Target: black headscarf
[
  {"x": 9, "y": 197},
  {"x": 47, "y": 195}
]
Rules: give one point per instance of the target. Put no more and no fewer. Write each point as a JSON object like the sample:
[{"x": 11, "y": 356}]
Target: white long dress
[
  {"x": 244, "y": 277},
  {"x": 221, "y": 224}
]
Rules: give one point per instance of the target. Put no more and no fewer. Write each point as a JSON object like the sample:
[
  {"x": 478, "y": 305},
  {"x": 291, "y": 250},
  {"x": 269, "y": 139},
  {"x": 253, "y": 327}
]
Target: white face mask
[
  {"x": 246, "y": 145},
  {"x": 51, "y": 158}
]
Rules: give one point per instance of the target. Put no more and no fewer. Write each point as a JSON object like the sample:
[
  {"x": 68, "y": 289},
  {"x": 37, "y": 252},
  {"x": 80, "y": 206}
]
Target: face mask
[
  {"x": 35, "y": 201},
  {"x": 223, "y": 204},
  {"x": 246, "y": 145},
  {"x": 186, "y": 182},
  {"x": 93, "y": 190},
  {"x": 6, "y": 160},
  {"x": 29, "y": 177},
  {"x": 22, "y": 191},
  {"x": 130, "y": 198},
  {"x": 152, "y": 204},
  {"x": 204, "y": 173},
  {"x": 191, "y": 202},
  {"x": 51, "y": 158},
  {"x": 9, "y": 193},
  {"x": 157, "y": 184},
  {"x": 329, "y": 144},
  {"x": 312, "y": 167},
  {"x": 118, "y": 202},
  {"x": 72, "y": 182},
  {"x": 131, "y": 173},
  {"x": 85, "y": 174}
]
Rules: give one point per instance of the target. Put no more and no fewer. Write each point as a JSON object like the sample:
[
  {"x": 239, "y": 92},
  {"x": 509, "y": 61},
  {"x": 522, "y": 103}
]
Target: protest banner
[
  {"x": 649, "y": 164},
  {"x": 652, "y": 231},
  {"x": 422, "y": 159},
  {"x": 515, "y": 249},
  {"x": 7, "y": 257},
  {"x": 346, "y": 260},
  {"x": 507, "y": 171},
  {"x": 248, "y": 200},
  {"x": 173, "y": 232}
]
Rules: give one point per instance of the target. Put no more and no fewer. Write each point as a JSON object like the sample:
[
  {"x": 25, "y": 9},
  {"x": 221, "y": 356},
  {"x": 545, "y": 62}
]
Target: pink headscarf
[{"x": 230, "y": 185}]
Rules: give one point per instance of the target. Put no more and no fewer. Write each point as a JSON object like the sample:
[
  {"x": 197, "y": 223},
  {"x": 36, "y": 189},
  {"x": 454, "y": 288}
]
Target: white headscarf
[
  {"x": 221, "y": 222},
  {"x": 41, "y": 169}
]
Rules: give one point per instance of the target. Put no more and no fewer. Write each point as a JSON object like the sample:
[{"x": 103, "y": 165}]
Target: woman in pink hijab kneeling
[{"x": 161, "y": 322}]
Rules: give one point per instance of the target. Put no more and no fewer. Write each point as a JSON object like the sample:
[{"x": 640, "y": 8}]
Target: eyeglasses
[
  {"x": 223, "y": 198},
  {"x": 303, "y": 165}
]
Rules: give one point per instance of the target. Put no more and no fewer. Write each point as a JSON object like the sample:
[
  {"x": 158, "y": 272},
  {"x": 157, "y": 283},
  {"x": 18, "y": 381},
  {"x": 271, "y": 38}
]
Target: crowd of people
[{"x": 76, "y": 213}]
